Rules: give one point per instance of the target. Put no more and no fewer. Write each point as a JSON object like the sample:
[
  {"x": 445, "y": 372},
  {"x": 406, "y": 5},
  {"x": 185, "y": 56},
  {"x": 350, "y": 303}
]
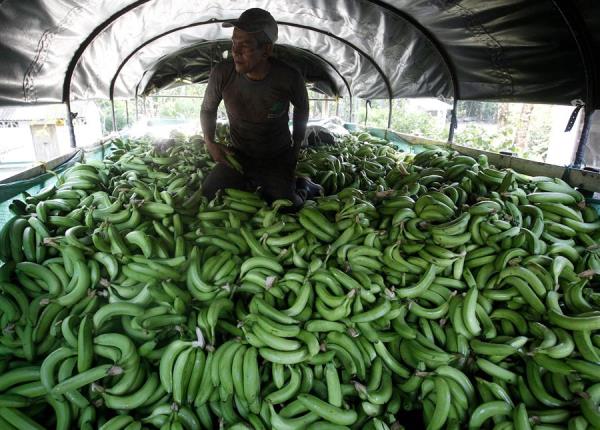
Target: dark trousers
[{"x": 274, "y": 176}]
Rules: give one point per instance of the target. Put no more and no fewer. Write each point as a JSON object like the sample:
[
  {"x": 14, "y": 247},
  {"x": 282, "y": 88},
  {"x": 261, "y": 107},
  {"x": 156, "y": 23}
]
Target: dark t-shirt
[{"x": 258, "y": 111}]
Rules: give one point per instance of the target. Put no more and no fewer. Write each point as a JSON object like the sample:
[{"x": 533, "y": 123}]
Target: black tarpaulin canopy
[
  {"x": 539, "y": 51},
  {"x": 535, "y": 51}
]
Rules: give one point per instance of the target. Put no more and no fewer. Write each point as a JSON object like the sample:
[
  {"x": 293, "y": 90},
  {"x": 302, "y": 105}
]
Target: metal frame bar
[
  {"x": 70, "y": 126},
  {"x": 114, "y": 117},
  {"x": 453, "y": 121},
  {"x": 389, "y": 122},
  {"x": 351, "y": 100}
]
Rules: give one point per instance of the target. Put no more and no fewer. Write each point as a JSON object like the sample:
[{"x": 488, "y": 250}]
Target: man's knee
[
  {"x": 220, "y": 177},
  {"x": 274, "y": 190}
]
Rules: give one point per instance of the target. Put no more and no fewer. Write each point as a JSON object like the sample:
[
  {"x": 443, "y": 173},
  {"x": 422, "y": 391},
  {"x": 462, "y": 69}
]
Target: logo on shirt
[{"x": 277, "y": 109}]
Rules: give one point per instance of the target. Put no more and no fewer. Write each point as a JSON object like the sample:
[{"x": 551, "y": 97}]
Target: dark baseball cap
[{"x": 255, "y": 20}]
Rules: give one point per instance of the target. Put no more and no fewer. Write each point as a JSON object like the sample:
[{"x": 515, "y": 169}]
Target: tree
[
  {"x": 523, "y": 127},
  {"x": 503, "y": 113}
]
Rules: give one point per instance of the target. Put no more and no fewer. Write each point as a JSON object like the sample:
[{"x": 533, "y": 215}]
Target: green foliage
[
  {"x": 476, "y": 136},
  {"x": 185, "y": 103},
  {"x": 478, "y": 111},
  {"x": 503, "y": 138},
  {"x": 488, "y": 131},
  {"x": 489, "y": 126},
  {"x": 403, "y": 120},
  {"x": 178, "y": 107},
  {"x": 120, "y": 114},
  {"x": 538, "y": 141}
]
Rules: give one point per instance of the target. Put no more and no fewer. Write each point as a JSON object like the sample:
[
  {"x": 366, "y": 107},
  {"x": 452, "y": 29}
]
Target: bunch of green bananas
[
  {"x": 433, "y": 283},
  {"x": 359, "y": 160}
]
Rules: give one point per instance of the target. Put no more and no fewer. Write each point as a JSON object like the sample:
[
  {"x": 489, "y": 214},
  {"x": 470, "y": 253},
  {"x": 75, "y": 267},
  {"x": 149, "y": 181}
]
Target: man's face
[{"x": 245, "y": 50}]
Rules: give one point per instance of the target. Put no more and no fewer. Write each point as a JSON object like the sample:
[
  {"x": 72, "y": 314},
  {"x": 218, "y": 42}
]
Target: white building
[{"x": 36, "y": 134}]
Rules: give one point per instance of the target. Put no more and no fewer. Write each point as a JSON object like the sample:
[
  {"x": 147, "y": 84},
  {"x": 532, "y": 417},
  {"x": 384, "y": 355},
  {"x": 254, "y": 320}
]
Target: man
[{"x": 257, "y": 91}]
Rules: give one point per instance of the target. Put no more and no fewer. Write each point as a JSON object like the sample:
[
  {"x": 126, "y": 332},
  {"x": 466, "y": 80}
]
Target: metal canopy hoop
[
  {"x": 194, "y": 63},
  {"x": 356, "y": 48},
  {"x": 576, "y": 26},
  {"x": 140, "y": 47},
  {"x": 84, "y": 45},
  {"x": 453, "y": 121},
  {"x": 430, "y": 37}
]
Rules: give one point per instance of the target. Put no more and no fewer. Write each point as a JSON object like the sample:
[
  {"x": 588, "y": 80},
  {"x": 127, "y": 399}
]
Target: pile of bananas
[
  {"x": 359, "y": 160},
  {"x": 435, "y": 284}
]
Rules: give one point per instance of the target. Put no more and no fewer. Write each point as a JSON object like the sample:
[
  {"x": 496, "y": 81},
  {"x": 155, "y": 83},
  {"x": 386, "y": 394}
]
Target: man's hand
[{"x": 217, "y": 152}]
